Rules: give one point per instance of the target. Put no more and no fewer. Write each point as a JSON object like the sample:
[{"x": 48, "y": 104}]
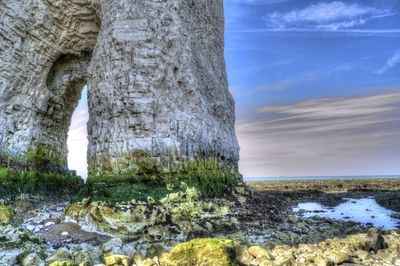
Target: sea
[{"x": 286, "y": 178}]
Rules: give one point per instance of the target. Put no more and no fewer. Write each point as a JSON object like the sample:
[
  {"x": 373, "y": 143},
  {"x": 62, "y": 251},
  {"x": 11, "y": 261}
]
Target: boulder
[
  {"x": 362, "y": 254},
  {"x": 320, "y": 261},
  {"x": 202, "y": 252},
  {"x": 259, "y": 252},
  {"x": 374, "y": 240},
  {"x": 138, "y": 258},
  {"x": 112, "y": 246},
  {"x": 243, "y": 256},
  {"x": 6, "y": 214},
  {"x": 115, "y": 260},
  {"x": 60, "y": 258},
  {"x": 336, "y": 256},
  {"x": 155, "y": 250},
  {"x": 62, "y": 263},
  {"x": 32, "y": 259},
  {"x": 282, "y": 254},
  {"x": 9, "y": 257},
  {"x": 83, "y": 258},
  {"x": 293, "y": 219}
]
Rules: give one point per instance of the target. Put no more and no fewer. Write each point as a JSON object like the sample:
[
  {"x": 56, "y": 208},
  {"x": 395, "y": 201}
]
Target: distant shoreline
[
  {"x": 298, "y": 178},
  {"x": 328, "y": 185}
]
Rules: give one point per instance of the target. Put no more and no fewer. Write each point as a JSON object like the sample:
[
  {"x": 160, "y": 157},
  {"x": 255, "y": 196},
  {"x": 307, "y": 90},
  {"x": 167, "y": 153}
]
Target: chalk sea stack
[{"x": 158, "y": 96}]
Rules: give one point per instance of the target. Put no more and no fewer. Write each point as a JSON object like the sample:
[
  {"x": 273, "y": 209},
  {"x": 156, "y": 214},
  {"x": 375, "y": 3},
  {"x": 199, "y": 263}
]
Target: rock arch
[{"x": 158, "y": 94}]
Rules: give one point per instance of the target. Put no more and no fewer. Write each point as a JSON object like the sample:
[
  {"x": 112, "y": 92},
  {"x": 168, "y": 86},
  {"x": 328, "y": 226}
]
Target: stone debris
[
  {"x": 301, "y": 242},
  {"x": 210, "y": 251}
]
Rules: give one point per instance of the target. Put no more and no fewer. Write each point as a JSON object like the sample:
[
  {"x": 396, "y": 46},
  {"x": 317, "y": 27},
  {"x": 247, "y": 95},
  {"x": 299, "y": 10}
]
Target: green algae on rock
[
  {"x": 6, "y": 214},
  {"x": 122, "y": 192},
  {"x": 18, "y": 243},
  {"x": 44, "y": 158},
  {"x": 15, "y": 182},
  {"x": 38, "y": 156},
  {"x": 209, "y": 175},
  {"x": 60, "y": 256},
  {"x": 202, "y": 252},
  {"x": 113, "y": 260},
  {"x": 62, "y": 263},
  {"x": 32, "y": 259},
  {"x": 40, "y": 169},
  {"x": 180, "y": 212},
  {"x": 84, "y": 258}
]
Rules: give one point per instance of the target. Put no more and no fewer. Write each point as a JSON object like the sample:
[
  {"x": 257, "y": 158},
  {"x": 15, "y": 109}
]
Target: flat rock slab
[{"x": 71, "y": 233}]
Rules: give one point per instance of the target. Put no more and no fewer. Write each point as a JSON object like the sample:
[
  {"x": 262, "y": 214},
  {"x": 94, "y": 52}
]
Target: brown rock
[{"x": 374, "y": 240}]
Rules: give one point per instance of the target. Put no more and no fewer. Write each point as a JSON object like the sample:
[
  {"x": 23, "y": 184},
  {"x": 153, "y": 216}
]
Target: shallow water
[{"x": 364, "y": 211}]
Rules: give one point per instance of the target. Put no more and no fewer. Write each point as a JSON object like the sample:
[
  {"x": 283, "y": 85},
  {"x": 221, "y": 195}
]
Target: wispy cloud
[
  {"x": 279, "y": 85},
  {"x": 325, "y": 16},
  {"x": 333, "y": 136},
  {"x": 393, "y": 61},
  {"x": 273, "y": 64},
  {"x": 299, "y": 78},
  {"x": 237, "y": 10},
  {"x": 258, "y": 2},
  {"x": 332, "y": 33}
]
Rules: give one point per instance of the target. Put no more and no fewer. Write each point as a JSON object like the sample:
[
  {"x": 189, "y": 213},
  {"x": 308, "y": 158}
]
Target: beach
[
  {"x": 328, "y": 185},
  {"x": 322, "y": 222}
]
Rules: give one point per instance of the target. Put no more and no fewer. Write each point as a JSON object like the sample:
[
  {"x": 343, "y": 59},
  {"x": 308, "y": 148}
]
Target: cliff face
[
  {"x": 158, "y": 94},
  {"x": 41, "y": 75}
]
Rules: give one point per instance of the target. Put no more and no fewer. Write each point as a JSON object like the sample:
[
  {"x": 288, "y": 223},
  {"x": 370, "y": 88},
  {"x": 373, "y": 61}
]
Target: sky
[{"x": 316, "y": 86}]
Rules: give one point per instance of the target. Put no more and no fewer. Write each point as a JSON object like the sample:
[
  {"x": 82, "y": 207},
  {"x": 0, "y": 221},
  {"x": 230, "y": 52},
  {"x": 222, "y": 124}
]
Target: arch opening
[
  {"x": 77, "y": 141},
  {"x": 65, "y": 83}
]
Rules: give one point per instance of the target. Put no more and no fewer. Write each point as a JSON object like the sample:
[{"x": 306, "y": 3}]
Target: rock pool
[{"x": 360, "y": 210}]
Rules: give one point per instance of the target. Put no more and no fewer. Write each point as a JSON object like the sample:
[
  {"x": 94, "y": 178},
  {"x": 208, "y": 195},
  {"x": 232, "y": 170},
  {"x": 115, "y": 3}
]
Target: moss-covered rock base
[
  {"x": 14, "y": 182},
  {"x": 210, "y": 176},
  {"x": 41, "y": 169},
  {"x": 39, "y": 157}
]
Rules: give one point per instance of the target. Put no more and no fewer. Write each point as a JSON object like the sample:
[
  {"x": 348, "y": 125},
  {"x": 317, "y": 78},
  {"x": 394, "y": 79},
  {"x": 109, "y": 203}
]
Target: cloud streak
[
  {"x": 334, "y": 136},
  {"x": 258, "y": 2},
  {"x": 326, "y": 16},
  {"x": 393, "y": 61},
  {"x": 269, "y": 65},
  {"x": 341, "y": 32}
]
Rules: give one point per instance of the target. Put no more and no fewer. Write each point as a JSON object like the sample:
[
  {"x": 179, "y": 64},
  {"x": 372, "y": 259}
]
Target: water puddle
[{"x": 364, "y": 211}]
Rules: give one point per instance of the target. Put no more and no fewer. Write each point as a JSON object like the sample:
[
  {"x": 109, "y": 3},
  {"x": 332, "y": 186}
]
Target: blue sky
[
  {"x": 316, "y": 84},
  {"x": 286, "y": 51}
]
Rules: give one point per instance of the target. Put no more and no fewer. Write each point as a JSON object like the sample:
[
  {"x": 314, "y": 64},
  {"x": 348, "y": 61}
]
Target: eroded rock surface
[
  {"x": 37, "y": 93},
  {"x": 174, "y": 218},
  {"x": 155, "y": 70}
]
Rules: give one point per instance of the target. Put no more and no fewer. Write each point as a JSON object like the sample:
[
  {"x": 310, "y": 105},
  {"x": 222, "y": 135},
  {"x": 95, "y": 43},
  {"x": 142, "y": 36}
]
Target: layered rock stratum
[{"x": 155, "y": 71}]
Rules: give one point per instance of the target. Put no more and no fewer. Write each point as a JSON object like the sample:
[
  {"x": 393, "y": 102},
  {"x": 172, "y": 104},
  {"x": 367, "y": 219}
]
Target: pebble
[{"x": 49, "y": 224}]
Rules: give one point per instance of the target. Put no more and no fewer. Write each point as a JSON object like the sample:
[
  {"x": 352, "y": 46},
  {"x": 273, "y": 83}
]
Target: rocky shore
[
  {"x": 243, "y": 227},
  {"x": 329, "y": 185}
]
